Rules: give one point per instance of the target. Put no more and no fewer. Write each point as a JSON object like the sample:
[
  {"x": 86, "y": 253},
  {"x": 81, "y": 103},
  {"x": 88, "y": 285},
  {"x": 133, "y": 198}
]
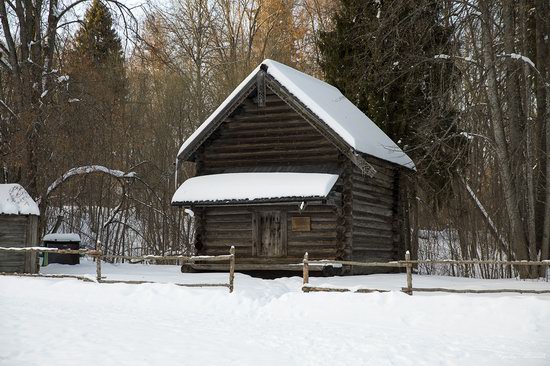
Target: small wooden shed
[
  {"x": 69, "y": 241},
  {"x": 19, "y": 215},
  {"x": 288, "y": 165}
]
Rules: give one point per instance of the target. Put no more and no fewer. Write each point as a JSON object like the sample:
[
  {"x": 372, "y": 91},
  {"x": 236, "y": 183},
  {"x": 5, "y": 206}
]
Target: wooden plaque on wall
[{"x": 301, "y": 223}]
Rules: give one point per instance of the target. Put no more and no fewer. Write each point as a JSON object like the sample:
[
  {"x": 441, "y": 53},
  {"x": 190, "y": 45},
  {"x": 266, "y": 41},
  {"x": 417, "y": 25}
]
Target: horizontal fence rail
[
  {"x": 99, "y": 256},
  {"x": 408, "y": 264}
]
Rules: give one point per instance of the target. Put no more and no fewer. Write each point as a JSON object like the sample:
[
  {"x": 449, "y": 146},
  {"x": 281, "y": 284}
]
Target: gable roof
[
  {"x": 341, "y": 116},
  {"x": 14, "y": 200}
]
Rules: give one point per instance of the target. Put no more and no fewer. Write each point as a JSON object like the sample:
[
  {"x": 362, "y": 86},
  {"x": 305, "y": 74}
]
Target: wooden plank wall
[
  {"x": 17, "y": 231},
  {"x": 376, "y": 229}
]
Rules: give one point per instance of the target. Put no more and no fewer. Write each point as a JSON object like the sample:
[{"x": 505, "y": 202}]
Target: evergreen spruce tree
[
  {"x": 97, "y": 51},
  {"x": 380, "y": 54},
  {"x": 97, "y": 91}
]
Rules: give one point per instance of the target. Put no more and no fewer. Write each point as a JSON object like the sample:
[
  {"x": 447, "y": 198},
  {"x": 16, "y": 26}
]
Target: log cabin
[
  {"x": 288, "y": 165},
  {"x": 19, "y": 215}
]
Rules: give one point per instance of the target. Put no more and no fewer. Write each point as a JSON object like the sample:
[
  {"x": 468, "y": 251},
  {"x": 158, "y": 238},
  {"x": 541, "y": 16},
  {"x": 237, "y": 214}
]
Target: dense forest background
[{"x": 97, "y": 96}]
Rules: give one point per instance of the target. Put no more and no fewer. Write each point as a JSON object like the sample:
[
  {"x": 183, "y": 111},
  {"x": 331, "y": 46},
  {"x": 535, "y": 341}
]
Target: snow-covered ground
[{"x": 265, "y": 322}]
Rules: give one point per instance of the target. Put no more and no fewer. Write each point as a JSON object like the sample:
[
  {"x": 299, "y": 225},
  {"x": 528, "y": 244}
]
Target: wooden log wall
[
  {"x": 322, "y": 241},
  {"x": 376, "y": 226},
  {"x": 222, "y": 227},
  {"x": 270, "y": 138}
]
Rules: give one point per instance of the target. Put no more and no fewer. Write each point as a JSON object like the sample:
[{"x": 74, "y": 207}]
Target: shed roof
[
  {"x": 14, "y": 200},
  {"x": 62, "y": 237},
  {"x": 250, "y": 187},
  {"x": 357, "y": 130}
]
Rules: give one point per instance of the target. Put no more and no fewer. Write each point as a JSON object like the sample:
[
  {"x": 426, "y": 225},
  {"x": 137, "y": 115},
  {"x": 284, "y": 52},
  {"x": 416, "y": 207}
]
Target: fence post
[
  {"x": 98, "y": 265},
  {"x": 306, "y": 269},
  {"x": 409, "y": 273},
  {"x": 231, "y": 268}
]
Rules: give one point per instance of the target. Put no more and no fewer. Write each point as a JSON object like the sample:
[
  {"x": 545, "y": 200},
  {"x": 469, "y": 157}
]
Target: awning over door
[{"x": 253, "y": 187}]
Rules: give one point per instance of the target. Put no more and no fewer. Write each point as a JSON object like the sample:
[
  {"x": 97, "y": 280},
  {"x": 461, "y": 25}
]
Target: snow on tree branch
[
  {"x": 88, "y": 169},
  {"x": 517, "y": 56},
  {"x": 443, "y": 56}
]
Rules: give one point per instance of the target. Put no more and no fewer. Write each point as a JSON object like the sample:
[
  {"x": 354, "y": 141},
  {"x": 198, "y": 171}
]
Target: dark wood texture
[
  {"x": 18, "y": 231},
  {"x": 271, "y": 238},
  {"x": 359, "y": 220},
  {"x": 301, "y": 223},
  {"x": 375, "y": 214},
  {"x": 270, "y": 138},
  {"x": 243, "y": 227}
]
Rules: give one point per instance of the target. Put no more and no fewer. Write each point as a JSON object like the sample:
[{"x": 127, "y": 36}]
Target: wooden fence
[
  {"x": 99, "y": 256},
  {"x": 408, "y": 265}
]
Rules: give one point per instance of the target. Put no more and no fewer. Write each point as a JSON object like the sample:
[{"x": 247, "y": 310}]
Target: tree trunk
[{"x": 518, "y": 242}]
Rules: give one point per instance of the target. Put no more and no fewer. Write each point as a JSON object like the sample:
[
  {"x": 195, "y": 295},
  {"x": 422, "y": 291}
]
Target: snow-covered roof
[
  {"x": 62, "y": 237},
  {"x": 14, "y": 200},
  {"x": 328, "y": 104},
  {"x": 253, "y": 186}
]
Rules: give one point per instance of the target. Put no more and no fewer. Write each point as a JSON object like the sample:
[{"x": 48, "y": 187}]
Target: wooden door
[{"x": 271, "y": 234}]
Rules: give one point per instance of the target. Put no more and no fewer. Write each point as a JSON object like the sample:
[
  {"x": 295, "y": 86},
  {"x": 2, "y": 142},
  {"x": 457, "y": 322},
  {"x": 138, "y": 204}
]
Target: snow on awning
[
  {"x": 14, "y": 200},
  {"x": 62, "y": 237},
  {"x": 231, "y": 187}
]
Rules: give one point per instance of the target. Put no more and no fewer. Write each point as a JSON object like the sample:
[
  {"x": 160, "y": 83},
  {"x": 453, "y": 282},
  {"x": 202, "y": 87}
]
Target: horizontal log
[
  {"x": 381, "y": 166},
  {"x": 208, "y": 258},
  {"x": 371, "y": 209},
  {"x": 252, "y": 162},
  {"x": 314, "y": 234},
  {"x": 381, "y": 201},
  {"x": 256, "y": 266},
  {"x": 310, "y": 241},
  {"x": 139, "y": 282},
  {"x": 363, "y": 196},
  {"x": 261, "y": 123},
  {"x": 215, "y": 251},
  {"x": 374, "y": 190},
  {"x": 368, "y": 234},
  {"x": 267, "y": 109},
  {"x": 313, "y": 209},
  {"x": 314, "y": 252},
  {"x": 252, "y": 139},
  {"x": 259, "y": 153},
  {"x": 273, "y": 132},
  {"x": 236, "y": 146},
  {"x": 308, "y": 288},
  {"x": 373, "y": 226},
  {"x": 474, "y": 261},
  {"x": 322, "y": 225},
  {"x": 472, "y": 291},
  {"x": 378, "y": 180},
  {"x": 367, "y": 218},
  {"x": 275, "y": 117},
  {"x": 393, "y": 264},
  {"x": 226, "y": 243},
  {"x": 82, "y": 278}
]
